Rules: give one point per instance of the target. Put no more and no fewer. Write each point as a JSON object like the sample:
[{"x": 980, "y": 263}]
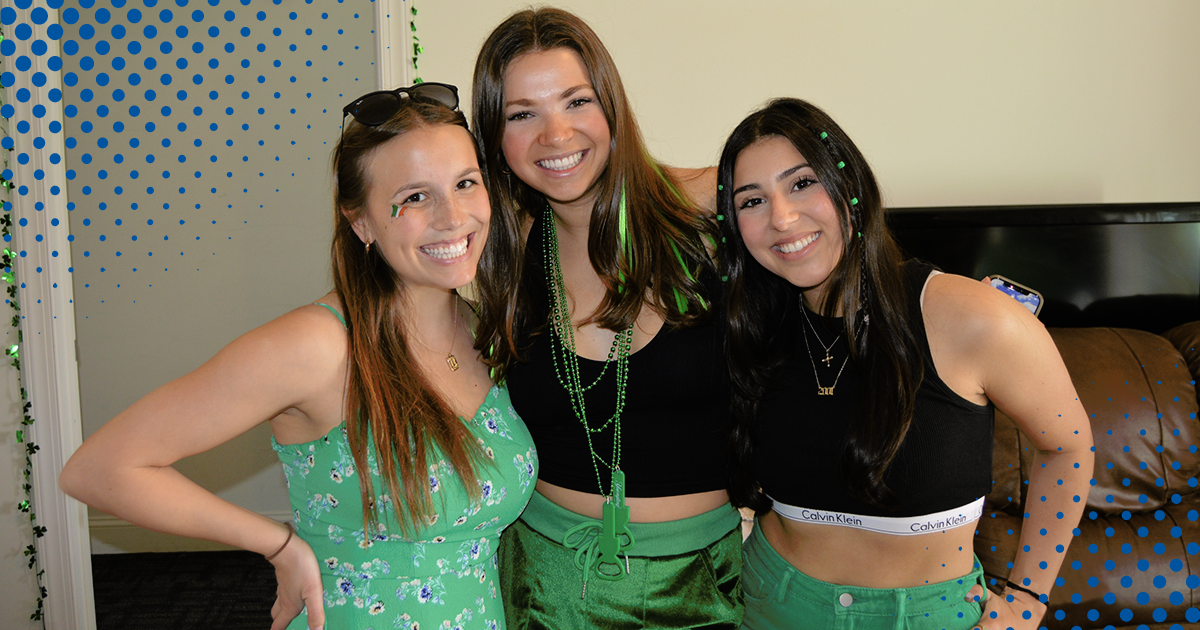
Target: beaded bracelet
[{"x": 285, "y": 543}]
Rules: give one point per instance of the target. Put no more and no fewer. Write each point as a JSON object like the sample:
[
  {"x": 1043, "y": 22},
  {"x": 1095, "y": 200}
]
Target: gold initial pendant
[
  {"x": 452, "y": 362},
  {"x": 824, "y": 391}
]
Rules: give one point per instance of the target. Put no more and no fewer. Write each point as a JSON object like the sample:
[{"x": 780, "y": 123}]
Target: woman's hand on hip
[
  {"x": 1022, "y": 613},
  {"x": 299, "y": 578}
]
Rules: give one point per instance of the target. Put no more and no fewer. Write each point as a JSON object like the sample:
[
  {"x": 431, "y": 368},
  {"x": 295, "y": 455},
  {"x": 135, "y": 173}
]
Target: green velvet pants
[
  {"x": 779, "y": 596},
  {"x": 682, "y": 574}
]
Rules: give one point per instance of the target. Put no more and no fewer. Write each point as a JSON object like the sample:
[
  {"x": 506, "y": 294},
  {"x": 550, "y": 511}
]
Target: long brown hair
[
  {"x": 394, "y": 417},
  {"x": 869, "y": 277},
  {"x": 665, "y": 228}
]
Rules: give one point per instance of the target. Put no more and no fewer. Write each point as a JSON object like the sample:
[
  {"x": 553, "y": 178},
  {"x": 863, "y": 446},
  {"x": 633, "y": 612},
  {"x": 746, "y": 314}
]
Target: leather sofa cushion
[{"x": 1138, "y": 394}]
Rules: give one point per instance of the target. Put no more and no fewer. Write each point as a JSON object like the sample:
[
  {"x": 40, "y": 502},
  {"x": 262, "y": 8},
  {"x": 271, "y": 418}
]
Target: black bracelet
[{"x": 1018, "y": 587}]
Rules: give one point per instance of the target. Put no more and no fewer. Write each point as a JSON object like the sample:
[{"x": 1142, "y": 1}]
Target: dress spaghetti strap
[{"x": 335, "y": 313}]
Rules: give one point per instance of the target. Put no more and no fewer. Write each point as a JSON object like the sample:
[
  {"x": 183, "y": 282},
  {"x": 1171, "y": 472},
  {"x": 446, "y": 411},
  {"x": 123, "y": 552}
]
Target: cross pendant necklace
[{"x": 828, "y": 360}]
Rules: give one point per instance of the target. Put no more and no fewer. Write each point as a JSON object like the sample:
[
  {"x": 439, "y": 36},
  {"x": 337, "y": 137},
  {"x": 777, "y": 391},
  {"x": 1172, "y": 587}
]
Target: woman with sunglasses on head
[
  {"x": 597, "y": 302},
  {"x": 404, "y": 462},
  {"x": 864, "y": 393}
]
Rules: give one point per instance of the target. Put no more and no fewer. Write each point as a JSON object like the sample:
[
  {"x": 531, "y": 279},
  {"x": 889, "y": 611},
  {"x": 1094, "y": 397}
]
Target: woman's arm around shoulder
[
  {"x": 986, "y": 341},
  {"x": 292, "y": 370},
  {"x": 699, "y": 185}
]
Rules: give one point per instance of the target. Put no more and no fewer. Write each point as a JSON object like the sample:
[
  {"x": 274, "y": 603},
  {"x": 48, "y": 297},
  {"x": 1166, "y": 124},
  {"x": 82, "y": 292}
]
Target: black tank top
[
  {"x": 799, "y": 437},
  {"x": 675, "y": 424}
]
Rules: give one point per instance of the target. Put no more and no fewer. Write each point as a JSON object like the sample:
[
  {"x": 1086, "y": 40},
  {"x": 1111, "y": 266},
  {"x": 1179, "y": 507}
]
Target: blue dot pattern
[
  {"x": 195, "y": 142},
  {"x": 184, "y": 118}
]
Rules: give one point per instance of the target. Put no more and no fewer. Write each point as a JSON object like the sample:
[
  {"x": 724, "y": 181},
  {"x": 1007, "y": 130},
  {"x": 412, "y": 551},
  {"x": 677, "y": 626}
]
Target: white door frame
[
  {"x": 393, "y": 43},
  {"x": 46, "y": 295}
]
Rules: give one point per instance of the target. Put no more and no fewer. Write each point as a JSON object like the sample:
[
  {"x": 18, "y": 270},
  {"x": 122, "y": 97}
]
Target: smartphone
[{"x": 1029, "y": 298}]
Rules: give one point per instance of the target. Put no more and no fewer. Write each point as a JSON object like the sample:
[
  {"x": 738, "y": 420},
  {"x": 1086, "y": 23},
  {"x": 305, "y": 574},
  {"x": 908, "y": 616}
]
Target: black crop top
[
  {"x": 945, "y": 461},
  {"x": 675, "y": 424}
]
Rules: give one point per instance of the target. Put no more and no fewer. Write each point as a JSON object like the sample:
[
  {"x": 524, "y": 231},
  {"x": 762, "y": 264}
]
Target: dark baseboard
[{"x": 231, "y": 590}]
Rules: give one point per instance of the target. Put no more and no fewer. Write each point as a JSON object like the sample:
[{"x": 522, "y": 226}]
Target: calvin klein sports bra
[{"x": 941, "y": 473}]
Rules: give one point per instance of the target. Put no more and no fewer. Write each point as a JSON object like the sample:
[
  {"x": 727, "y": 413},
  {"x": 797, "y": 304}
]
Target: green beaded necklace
[{"x": 596, "y": 553}]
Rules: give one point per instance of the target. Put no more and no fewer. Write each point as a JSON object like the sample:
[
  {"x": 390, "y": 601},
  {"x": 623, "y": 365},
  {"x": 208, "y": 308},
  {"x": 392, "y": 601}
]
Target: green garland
[
  {"x": 8, "y": 258},
  {"x": 416, "y": 44}
]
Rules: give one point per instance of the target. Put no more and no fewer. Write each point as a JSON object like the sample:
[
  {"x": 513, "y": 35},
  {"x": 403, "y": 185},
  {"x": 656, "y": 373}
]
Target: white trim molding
[
  {"x": 41, "y": 242},
  {"x": 393, "y": 43}
]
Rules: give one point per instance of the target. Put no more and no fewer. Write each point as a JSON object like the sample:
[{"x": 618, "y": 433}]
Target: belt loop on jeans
[
  {"x": 900, "y": 595},
  {"x": 781, "y": 590}
]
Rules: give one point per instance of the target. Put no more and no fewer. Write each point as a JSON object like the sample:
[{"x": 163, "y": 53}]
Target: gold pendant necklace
[
  {"x": 824, "y": 391},
  {"x": 828, "y": 356},
  {"x": 821, "y": 390},
  {"x": 451, "y": 360}
]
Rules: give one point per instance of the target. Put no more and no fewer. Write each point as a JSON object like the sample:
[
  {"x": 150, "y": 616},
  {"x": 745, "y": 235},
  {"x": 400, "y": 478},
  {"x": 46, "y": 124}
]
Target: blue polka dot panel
[
  {"x": 194, "y": 124},
  {"x": 196, "y": 139}
]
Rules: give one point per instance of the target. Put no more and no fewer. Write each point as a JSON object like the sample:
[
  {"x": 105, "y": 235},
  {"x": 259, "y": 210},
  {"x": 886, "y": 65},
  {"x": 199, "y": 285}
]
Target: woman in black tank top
[
  {"x": 863, "y": 392},
  {"x": 597, "y": 296}
]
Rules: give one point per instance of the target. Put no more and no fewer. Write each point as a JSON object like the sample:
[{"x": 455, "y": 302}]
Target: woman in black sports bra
[
  {"x": 864, "y": 389},
  {"x": 597, "y": 313}
]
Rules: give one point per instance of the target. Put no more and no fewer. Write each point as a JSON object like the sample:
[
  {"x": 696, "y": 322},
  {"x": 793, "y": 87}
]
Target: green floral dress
[{"x": 443, "y": 579}]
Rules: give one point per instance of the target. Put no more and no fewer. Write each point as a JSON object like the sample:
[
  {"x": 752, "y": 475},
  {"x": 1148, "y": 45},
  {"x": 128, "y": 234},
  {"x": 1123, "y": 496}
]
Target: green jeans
[
  {"x": 779, "y": 596},
  {"x": 682, "y": 574}
]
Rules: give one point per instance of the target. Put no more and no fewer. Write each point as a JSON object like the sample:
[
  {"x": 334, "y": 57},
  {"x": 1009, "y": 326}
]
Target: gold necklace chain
[
  {"x": 828, "y": 357},
  {"x": 824, "y": 391},
  {"x": 451, "y": 360}
]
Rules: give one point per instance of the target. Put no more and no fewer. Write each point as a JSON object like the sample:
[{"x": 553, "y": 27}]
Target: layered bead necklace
[{"x": 596, "y": 553}]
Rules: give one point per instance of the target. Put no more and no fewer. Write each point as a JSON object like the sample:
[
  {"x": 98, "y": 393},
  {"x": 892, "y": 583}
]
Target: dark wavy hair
[
  {"x": 666, "y": 229},
  {"x": 868, "y": 281},
  {"x": 390, "y": 407}
]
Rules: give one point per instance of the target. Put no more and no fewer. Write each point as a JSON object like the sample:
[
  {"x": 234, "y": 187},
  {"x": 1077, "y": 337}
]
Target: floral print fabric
[{"x": 443, "y": 578}]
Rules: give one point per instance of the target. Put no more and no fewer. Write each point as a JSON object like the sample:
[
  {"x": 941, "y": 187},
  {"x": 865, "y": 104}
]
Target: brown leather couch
[{"x": 1135, "y": 562}]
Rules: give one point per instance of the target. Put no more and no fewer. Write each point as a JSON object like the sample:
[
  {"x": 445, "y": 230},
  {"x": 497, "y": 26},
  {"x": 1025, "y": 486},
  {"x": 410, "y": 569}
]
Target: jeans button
[{"x": 845, "y": 600}]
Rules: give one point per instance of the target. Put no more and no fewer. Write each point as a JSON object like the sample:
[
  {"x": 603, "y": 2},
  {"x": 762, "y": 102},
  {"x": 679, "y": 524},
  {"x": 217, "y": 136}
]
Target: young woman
[
  {"x": 403, "y": 461},
  {"x": 865, "y": 387},
  {"x": 597, "y": 301}
]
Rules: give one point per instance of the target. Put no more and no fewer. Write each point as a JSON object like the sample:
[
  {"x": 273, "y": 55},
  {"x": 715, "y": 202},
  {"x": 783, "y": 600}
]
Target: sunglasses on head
[{"x": 377, "y": 107}]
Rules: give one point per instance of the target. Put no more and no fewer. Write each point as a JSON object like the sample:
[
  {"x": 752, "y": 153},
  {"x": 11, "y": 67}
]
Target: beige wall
[{"x": 954, "y": 103}]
